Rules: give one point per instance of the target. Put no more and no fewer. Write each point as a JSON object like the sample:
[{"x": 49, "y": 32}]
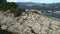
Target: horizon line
[{"x": 41, "y": 2}]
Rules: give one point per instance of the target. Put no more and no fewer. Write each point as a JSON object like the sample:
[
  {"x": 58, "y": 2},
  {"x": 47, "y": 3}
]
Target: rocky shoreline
[{"x": 29, "y": 23}]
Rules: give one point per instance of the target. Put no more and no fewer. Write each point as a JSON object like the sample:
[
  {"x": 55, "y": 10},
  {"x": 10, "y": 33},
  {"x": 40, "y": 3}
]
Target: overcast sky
[{"x": 37, "y": 1}]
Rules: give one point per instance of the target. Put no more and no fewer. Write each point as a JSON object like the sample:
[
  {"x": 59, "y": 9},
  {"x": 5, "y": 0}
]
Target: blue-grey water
[{"x": 52, "y": 15}]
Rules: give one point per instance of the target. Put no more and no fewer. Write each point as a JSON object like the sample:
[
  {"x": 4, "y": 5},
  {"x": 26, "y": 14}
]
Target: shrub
[{"x": 13, "y": 7}]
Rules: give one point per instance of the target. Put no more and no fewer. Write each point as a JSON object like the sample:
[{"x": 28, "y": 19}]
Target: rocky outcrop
[{"x": 29, "y": 23}]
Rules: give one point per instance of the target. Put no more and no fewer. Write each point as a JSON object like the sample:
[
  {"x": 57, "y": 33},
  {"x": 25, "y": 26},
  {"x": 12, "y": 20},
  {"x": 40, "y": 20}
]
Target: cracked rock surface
[{"x": 29, "y": 23}]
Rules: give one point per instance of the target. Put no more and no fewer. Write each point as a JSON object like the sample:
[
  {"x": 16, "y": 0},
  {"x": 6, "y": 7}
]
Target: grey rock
[{"x": 29, "y": 23}]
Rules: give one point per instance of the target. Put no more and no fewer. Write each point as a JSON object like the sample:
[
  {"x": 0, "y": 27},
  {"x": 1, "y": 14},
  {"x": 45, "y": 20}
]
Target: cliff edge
[{"x": 29, "y": 23}]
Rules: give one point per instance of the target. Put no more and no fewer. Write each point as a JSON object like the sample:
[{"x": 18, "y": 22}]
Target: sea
[{"x": 55, "y": 15}]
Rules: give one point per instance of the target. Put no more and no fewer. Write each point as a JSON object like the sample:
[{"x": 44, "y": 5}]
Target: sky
[{"x": 36, "y": 1}]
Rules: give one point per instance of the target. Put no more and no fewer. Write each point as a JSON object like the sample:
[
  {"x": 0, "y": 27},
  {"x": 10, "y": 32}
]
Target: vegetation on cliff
[{"x": 13, "y": 7}]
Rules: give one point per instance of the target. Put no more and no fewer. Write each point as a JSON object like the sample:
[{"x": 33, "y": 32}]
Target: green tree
[
  {"x": 2, "y": 1},
  {"x": 13, "y": 7},
  {"x": 2, "y": 4}
]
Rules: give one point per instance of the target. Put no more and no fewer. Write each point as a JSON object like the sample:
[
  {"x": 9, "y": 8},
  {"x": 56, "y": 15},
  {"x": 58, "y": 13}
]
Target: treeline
[{"x": 13, "y": 7}]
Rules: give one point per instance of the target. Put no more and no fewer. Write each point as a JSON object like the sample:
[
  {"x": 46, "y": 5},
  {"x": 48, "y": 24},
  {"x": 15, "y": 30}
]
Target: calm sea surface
[{"x": 52, "y": 15}]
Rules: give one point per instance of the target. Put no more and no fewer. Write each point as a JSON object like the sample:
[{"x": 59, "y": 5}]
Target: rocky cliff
[{"x": 29, "y": 23}]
